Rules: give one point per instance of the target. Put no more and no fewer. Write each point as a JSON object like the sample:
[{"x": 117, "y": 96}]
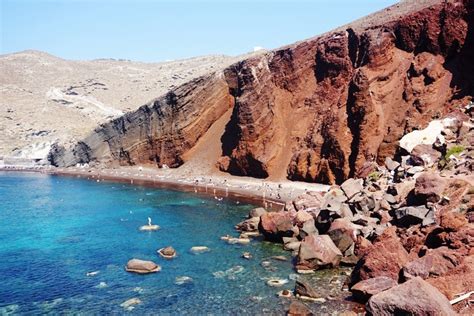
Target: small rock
[
  {"x": 410, "y": 215},
  {"x": 182, "y": 280},
  {"x": 391, "y": 164},
  {"x": 247, "y": 255},
  {"x": 352, "y": 186},
  {"x": 284, "y": 293},
  {"x": 414, "y": 170},
  {"x": 167, "y": 252}
]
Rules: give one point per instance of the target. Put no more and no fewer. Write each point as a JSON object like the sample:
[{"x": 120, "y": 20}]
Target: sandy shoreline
[{"x": 270, "y": 194}]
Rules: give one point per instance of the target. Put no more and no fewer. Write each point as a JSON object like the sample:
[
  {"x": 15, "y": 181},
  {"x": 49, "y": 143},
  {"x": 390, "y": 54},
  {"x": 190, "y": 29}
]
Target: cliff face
[
  {"x": 159, "y": 132},
  {"x": 314, "y": 111}
]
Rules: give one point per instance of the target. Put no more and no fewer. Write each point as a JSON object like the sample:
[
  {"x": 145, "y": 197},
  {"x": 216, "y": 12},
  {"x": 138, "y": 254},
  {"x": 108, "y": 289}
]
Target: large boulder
[
  {"x": 385, "y": 257},
  {"x": 436, "y": 262},
  {"x": 424, "y": 155},
  {"x": 142, "y": 266},
  {"x": 248, "y": 225},
  {"x": 457, "y": 280},
  {"x": 276, "y": 225},
  {"x": 429, "y": 186},
  {"x": 352, "y": 186},
  {"x": 402, "y": 190},
  {"x": 317, "y": 251},
  {"x": 365, "y": 289},
  {"x": 344, "y": 234},
  {"x": 415, "y": 297}
]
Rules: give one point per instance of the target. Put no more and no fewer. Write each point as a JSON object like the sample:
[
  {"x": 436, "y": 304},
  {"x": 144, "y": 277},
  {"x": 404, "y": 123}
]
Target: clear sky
[{"x": 146, "y": 30}]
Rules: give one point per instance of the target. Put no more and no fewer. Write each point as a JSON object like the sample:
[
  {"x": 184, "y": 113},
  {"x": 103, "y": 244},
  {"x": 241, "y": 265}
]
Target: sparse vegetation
[
  {"x": 455, "y": 150},
  {"x": 374, "y": 176}
]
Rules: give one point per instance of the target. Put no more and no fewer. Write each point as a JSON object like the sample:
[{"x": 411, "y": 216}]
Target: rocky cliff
[{"x": 316, "y": 111}]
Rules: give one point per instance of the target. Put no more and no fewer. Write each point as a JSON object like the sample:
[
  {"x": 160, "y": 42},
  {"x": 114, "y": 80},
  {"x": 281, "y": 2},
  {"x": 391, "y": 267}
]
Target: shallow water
[{"x": 54, "y": 230}]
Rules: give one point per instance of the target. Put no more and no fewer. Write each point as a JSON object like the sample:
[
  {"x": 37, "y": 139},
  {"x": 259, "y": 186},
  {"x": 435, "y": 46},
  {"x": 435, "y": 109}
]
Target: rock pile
[{"x": 406, "y": 225}]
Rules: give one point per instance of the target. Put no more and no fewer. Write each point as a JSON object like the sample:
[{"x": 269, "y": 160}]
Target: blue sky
[{"x": 146, "y": 30}]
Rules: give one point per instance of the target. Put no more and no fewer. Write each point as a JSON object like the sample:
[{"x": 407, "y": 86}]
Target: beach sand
[{"x": 270, "y": 194}]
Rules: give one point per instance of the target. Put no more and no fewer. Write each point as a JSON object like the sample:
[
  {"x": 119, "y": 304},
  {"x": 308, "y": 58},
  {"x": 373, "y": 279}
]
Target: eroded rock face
[{"x": 353, "y": 93}]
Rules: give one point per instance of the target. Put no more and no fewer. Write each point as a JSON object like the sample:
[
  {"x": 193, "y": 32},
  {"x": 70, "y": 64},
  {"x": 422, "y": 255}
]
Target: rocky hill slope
[
  {"x": 46, "y": 99},
  {"x": 316, "y": 111}
]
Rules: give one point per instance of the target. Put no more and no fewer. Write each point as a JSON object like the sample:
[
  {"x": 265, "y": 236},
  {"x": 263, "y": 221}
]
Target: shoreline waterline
[{"x": 269, "y": 194}]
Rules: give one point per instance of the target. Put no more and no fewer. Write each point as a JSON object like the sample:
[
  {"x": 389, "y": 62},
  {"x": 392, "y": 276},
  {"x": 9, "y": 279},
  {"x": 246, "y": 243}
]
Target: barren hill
[{"x": 46, "y": 99}]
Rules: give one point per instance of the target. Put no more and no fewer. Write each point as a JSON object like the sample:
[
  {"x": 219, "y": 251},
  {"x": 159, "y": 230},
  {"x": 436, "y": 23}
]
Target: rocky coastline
[{"x": 406, "y": 227}]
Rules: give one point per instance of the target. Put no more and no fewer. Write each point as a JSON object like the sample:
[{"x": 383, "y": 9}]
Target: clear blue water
[{"x": 53, "y": 230}]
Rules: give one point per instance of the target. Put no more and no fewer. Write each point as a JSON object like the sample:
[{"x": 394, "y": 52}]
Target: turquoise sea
[{"x": 54, "y": 230}]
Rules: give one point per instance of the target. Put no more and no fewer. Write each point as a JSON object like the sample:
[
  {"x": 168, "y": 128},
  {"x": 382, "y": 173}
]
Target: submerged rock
[
  {"x": 199, "y": 249},
  {"x": 182, "y": 280},
  {"x": 129, "y": 304},
  {"x": 142, "y": 266}
]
